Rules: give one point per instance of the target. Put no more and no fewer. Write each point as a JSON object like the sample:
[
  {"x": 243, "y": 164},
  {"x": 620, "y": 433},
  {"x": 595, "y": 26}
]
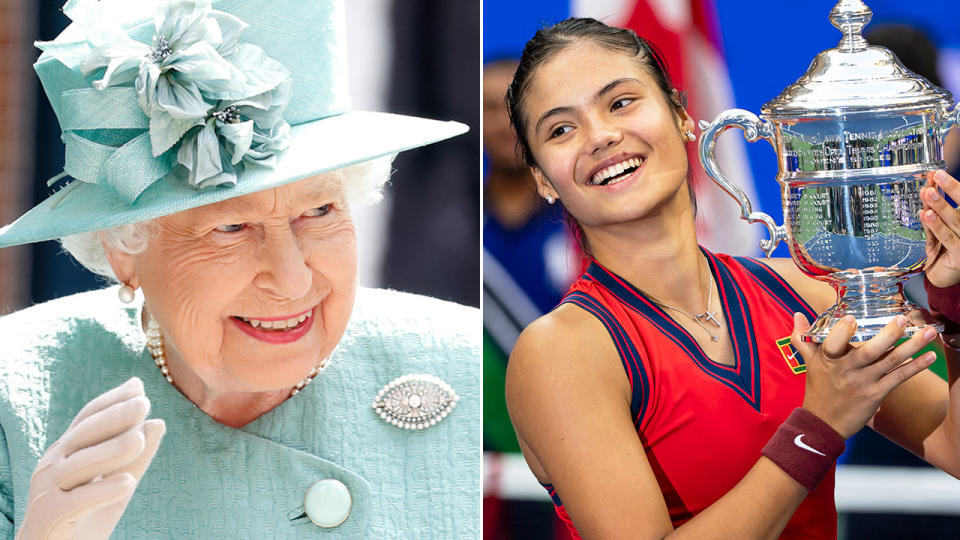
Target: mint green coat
[{"x": 212, "y": 481}]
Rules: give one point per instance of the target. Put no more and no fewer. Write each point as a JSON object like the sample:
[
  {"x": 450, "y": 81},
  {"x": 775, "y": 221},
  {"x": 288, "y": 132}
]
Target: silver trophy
[{"x": 854, "y": 137}]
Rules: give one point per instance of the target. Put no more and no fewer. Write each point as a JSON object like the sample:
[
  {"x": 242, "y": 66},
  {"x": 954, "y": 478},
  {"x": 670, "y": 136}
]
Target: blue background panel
[{"x": 768, "y": 45}]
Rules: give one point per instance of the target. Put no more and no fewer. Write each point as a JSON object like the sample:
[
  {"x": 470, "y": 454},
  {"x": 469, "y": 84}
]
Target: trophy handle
[
  {"x": 753, "y": 129},
  {"x": 951, "y": 119}
]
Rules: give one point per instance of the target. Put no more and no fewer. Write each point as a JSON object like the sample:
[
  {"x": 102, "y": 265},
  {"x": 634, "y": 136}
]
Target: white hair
[{"x": 363, "y": 185}]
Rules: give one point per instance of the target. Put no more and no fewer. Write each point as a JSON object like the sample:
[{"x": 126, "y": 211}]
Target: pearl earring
[
  {"x": 690, "y": 136},
  {"x": 126, "y": 294},
  {"x": 550, "y": 199}
]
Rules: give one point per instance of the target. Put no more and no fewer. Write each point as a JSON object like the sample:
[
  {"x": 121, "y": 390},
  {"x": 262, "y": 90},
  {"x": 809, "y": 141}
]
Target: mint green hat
[{"x": 167, "y": 105}]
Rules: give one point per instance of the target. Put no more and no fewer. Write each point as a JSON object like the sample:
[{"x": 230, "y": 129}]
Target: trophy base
[
  {"x": 873, "y": 300},
  {"x": 866, "y": 328}
]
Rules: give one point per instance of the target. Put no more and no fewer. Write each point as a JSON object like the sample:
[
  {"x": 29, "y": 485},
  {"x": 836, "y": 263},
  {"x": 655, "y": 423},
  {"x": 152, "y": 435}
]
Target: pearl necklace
[{"x": 158, "y": 352}]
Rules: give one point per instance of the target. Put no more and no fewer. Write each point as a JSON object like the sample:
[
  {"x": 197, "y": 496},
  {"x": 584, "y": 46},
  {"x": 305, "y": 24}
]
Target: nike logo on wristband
[{"x": 801, "y": 444}]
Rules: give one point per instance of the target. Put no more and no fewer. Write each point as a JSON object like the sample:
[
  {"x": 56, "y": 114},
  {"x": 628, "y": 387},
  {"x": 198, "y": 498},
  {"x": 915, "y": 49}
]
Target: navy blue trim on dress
[
  {"x": 777, "y": 287},
  {"x": 553, "y": 494},
  {"x": 744, "y": 376},
  {"x": 629, "y": 356},
  {"x": 741, "y": 328}
]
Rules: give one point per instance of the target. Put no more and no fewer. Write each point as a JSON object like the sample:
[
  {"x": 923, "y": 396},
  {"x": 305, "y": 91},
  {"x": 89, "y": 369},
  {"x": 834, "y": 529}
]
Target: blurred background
[
  {"x": 423, "y": 238},
  {"x": 724, "y": 54}
]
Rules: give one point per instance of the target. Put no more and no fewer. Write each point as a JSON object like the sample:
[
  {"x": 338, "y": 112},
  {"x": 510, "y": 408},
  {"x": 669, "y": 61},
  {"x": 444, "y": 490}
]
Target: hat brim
[{"x": 315, "y": 147}]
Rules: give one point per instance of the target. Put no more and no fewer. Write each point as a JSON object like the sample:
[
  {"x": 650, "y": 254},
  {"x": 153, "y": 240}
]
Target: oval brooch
[{"x": 415, "y": 401}]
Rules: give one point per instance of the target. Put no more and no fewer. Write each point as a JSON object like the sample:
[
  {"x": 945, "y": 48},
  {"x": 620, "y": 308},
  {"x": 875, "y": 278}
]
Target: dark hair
[{"x": 547, "y": 43}]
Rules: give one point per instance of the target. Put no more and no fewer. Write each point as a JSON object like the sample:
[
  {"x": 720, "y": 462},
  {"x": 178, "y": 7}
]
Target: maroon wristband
[
  {"x": 944, "y": 301},
  {"x": 805, "y": 447}
]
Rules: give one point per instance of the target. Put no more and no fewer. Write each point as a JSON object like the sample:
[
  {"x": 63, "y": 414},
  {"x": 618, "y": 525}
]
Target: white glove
[{"x": 83, "y": 483}]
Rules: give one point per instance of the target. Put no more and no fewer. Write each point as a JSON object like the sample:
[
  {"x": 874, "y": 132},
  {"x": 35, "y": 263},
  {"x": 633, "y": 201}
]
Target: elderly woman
[{"x": 256, "y": 391}]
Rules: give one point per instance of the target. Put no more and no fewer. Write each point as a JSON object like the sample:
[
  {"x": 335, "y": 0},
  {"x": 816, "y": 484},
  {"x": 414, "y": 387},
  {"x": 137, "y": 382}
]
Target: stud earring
[
  {"x": 690, "y": 136},
  {"x": 550, "y": 199},
  {"x": 126, "y": 294}
]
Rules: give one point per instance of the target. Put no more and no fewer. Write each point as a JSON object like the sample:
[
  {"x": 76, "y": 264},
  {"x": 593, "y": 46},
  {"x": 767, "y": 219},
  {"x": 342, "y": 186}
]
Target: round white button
[{"x": 327, "y": 503}]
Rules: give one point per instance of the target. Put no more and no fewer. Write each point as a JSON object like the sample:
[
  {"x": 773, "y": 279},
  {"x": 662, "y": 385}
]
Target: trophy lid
[{"x": 855, "y": 76}]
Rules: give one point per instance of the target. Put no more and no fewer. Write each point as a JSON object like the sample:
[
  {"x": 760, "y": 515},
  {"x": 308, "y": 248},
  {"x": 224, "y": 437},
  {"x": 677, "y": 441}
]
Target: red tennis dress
[{"x": 703, "y": 424}]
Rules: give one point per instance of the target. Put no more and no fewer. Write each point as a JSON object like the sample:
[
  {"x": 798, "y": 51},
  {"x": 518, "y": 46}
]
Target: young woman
[{"x": 657, "y": 399}]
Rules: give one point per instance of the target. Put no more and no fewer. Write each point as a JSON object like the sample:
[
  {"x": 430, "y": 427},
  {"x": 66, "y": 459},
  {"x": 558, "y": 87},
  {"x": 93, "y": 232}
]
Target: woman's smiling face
[
  {"x": 606, "y": 140},
  {"x": 253, "y": 292}
]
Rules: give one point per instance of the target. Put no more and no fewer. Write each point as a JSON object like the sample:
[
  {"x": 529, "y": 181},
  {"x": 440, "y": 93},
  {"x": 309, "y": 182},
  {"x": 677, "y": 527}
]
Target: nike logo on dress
[{"x": 801, "y": 444}]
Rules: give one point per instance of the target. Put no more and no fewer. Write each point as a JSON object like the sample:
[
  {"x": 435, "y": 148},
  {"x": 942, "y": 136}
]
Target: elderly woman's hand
[
  {"x": 942, "y": 223},
  {"x": 83, "y": 483}
]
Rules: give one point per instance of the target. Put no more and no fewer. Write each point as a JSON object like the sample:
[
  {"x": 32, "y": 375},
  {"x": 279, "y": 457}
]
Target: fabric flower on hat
[
  {"x": 249, "y": 131},
  {"x": 201, "y": 87}
]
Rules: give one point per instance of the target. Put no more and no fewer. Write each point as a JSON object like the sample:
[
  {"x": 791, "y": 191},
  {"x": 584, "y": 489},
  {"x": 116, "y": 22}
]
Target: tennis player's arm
[
  {"x": 569, "y": 400},
  {"x": 923, "y": 414}
]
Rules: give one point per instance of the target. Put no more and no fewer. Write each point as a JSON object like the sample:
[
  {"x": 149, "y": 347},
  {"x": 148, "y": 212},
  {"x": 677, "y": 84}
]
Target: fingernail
[
  {"x": 930, "y": 215},
  {"x": 929, "y": 333},
  {"x": 940, "y": 176},
  {"x": 932, "y": 193},
  {"x": 930, "y": 357},
  {"x": 901, "y": 321},
  {"x": 155, "y": 424}
]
